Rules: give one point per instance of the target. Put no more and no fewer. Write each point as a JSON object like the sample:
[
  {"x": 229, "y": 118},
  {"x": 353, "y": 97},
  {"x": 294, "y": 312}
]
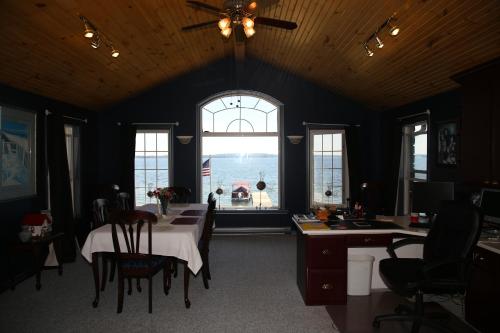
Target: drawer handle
[
  {"x": 325, "y": 252},
  {"x": 368, "y": 239},
  {"x": 327, "y": 286}
]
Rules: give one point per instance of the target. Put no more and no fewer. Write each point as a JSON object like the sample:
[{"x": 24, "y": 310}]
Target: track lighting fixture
[
  {"x": 96, "y": 37},
  {"x": 368, "y": 51},
  {"x": 393, "y": 31}
]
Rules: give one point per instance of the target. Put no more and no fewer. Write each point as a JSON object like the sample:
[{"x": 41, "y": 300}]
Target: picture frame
[
  {"x": 17, "y": 153},
  {"x": 447, "y": 143}
]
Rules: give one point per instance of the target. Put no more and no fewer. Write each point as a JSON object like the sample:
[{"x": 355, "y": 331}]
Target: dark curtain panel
[
  {"x": 126, "y": 163},
  {"x": 354, "y": 162},
  {"x": 393, "y": 167},
  {"x": 60, "y": 189}
]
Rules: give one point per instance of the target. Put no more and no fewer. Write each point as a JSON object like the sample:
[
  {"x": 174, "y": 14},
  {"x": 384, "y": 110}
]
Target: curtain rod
[
  {"x": 427, "y": 112},
  {"x": 305, "y": 123},
  {"x": 47, "y": 112}
]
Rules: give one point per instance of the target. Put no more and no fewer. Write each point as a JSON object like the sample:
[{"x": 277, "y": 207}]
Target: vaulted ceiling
[{"x": 44, "y": 51}]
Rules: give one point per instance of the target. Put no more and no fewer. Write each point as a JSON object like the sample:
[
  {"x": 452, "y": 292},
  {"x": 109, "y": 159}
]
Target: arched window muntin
[{"x": 240, "y": 124}]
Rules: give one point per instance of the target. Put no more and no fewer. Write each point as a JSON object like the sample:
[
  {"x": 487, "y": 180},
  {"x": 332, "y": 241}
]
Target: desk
[
  {"x": 322, "y": 257},
  {"x": 180, "y": 241}
]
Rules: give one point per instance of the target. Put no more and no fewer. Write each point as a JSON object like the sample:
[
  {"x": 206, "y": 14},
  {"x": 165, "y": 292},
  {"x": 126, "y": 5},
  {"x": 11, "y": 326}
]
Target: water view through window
[{"x": 240, "y": 147}]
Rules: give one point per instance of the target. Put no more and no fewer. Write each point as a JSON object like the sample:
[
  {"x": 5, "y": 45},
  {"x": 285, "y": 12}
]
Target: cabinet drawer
[
  {"x": 486, "y": 260},
  {"x": 326, "y": 286},
  {"x": 326, "y": 252},
  {"x": 369, "y": 240}
]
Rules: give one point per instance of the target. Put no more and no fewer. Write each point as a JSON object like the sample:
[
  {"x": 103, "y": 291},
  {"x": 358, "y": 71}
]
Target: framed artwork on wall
[
  {"x": 447, "y": 143},
  {"x": 17, "y": 153}
]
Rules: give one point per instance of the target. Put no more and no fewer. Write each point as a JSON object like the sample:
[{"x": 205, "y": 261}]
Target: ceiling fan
[{"x": 238, "y": 15}]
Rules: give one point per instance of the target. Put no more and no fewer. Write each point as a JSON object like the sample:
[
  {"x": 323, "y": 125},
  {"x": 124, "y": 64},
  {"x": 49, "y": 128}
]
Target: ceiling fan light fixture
[
  {"x": 249, "y": 32},
  {"x": 247, "y": 23},
  {"x": 226, "y": 32},
  {"x": 379, "y": 44},
  {"x": 369, "y": 52},
  {"x": 224, "y": 23},
  {"x": 252, "y": 5}
]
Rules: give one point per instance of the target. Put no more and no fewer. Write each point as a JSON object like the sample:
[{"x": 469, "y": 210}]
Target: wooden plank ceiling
[{"x": 44, "y": 51}]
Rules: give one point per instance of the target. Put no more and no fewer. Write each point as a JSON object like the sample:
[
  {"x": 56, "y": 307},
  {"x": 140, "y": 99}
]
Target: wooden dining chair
[
  {"x": 123, "y": 200},
  {"x": 206, "y": 236},
  {"x": 100, "y": 213},
  {"x": 181, "y": 194},
  {"x": 130, "y": 262}
]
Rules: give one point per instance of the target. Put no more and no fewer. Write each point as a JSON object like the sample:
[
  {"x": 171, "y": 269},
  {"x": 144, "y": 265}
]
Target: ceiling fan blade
[
  {"x": 200, "y": 25},
  {"x": 275, "y": 23},
  {"x": 204, "y": 6}
]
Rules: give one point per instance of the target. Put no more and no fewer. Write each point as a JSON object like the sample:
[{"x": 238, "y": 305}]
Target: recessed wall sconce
[
  {"x": 295, "y": 139},
  {"x": 184, "y": 139}
]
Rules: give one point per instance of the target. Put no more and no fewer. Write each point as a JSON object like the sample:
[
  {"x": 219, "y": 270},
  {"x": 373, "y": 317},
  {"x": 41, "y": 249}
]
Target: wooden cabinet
[
  {"x": 480, "y": 125},
  {"x": 482, "y": 305},
  {"x": 322, "y": 265}
]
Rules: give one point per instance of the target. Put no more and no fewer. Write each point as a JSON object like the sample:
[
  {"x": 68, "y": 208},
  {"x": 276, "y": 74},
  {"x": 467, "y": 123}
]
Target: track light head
[
  {"x": 114, "y": 52},
  {"x": 379, "y": 42},
  {"x": 95, "y": 42},
  {"x": 393, "y": 29},
  {"x": 369, "y": 52}
]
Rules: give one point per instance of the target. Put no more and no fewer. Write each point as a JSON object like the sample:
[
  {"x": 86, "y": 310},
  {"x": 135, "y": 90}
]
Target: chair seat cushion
[
  {"x": 404, "y": 276},
  {"x": 156, "y": 261}
]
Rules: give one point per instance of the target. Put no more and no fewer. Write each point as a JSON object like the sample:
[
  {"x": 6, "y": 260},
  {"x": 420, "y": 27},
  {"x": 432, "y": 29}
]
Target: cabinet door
[
  {"x": 475, "y": 138},
  {"x": 495, "y": 131}
]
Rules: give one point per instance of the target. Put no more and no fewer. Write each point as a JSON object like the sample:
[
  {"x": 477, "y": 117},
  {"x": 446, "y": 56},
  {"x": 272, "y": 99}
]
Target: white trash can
[{"x": 359, "y": 274}]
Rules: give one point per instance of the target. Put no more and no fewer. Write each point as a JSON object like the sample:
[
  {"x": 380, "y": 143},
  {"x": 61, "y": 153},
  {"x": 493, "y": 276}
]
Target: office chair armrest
[{"x": 403, "y": 242}]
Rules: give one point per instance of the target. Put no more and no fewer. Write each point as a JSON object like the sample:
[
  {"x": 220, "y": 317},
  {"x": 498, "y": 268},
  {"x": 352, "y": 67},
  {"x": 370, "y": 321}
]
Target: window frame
[
  {"x": 169, "y": 131},
  {"x": 279, "y": 135},
  {"x": 310, "y": 166},
  {"x": 408, "y": 169}
]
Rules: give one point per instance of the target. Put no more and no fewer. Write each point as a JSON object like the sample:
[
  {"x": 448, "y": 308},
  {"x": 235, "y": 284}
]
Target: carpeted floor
[{"x": 253, "y": 289}]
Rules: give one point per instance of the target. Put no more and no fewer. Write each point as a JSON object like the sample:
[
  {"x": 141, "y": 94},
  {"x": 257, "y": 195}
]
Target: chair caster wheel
[
  {"x": 94, "y": 303},
  {"x": 376, "y": 324},
  {"x": 187, "y": 303}
]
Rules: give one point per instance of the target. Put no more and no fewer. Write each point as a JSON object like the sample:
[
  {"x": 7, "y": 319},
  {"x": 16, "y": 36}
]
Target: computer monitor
[
  {"x": 490, "y": 205},
  {"x": 427, "y": 197}
]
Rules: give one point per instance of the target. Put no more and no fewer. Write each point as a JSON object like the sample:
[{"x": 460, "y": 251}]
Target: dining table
[{"x": 175, "y": 234}]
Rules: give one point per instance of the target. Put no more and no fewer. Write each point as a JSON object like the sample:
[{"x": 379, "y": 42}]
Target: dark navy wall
[
  {"x": 303, "y": 101},
  {"x": 12, "y": 211}
]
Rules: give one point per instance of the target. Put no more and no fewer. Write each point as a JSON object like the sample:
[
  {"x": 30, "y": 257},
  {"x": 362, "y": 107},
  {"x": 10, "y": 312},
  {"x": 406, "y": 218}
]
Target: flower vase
[{"x": 164, "y": 205}]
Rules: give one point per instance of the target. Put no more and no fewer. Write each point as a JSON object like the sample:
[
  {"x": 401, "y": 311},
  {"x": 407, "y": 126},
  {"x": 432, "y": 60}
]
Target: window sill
[{"x": 249, "y": 211}]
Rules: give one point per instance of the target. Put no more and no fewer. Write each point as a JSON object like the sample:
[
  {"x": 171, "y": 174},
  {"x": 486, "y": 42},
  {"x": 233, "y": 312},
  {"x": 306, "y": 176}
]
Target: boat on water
[{"x": 241, "y": 191}]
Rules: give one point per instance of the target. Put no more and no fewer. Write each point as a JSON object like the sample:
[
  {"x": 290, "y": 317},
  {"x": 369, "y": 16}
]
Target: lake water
[{"x": 228, "y": 169}]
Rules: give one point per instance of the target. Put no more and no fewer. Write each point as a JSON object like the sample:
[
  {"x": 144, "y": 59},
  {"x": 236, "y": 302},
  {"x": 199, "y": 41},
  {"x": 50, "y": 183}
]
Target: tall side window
[
  {"x": 152, "y": 163},
  {"x": 328, "y": 171},
  {"x": 240, "y": 146},
  {"x": 72, "y": 133},
  {"x": 414, "y": 158}
]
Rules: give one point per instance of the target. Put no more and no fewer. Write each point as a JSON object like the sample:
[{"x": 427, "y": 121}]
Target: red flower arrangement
[{"x": 162, "y": 193}]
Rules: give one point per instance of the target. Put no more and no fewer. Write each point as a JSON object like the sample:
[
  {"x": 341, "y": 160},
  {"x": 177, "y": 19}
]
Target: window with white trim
[
  {"x": 240, "y": 146},
  {"x": 414, "y": 157},
  {"x": 328, "y": 171},
  {"x": 152, "y": 163}
]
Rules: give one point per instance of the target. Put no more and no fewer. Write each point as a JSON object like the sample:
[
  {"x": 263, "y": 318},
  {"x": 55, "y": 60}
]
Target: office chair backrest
[{"x": 454, "y": 233}]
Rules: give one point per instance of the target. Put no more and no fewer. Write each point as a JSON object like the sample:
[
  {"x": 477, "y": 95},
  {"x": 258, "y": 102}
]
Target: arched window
[{"x": 240, "y": 146}]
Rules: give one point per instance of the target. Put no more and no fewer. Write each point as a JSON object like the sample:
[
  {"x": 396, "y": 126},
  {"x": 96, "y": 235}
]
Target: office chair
[{"x": 444, "y": 268}]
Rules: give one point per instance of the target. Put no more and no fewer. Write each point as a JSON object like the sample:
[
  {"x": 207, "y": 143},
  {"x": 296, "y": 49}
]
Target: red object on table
[{"x": 35, "y": 219}]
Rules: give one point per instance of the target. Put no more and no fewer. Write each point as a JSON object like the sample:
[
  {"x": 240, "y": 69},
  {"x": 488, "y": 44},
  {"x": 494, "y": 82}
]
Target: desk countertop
[
  {"x": 399, "y": 220},
  {"x": 492, "y": 245}
]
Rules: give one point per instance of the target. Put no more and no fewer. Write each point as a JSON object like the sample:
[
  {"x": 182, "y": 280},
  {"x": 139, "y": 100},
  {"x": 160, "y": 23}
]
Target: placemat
[
  {"x": 193, "y": 212},
  {"x": 185, "y": 221}
]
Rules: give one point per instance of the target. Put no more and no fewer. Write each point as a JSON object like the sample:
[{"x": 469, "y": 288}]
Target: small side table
[{"x": 38, "y": 246}]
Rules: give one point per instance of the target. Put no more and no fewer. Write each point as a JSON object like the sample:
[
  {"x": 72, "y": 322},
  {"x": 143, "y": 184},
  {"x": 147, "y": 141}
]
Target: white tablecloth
[{"x": 180, "y": 241}]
